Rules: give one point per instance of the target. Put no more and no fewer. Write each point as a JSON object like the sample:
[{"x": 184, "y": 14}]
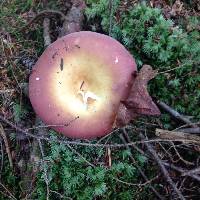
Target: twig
[
  {"x": 4, "y": 187},
  {"x": 125, "y": 135},
  {"x": 2, "y": 158},
  {"x": 3, "y": 135},
  {"x": 195, "y": 130},
  {"x": 52, "y": 125},
  {"x": 169, "y": 70},
  {"x": 140, "y": 170},
  {"x": 181, "y": 170},
  {"x": 44, "y": 169},
  {"x": 179, "y": 156},
  {"x": 174, "y": 113},
  {"x": 193, "y": 171},
  {"x": 46, "y": 32},
  {"x": 43, "y": 14},
  {"x": 163, "y": 169},
  {"x": 196, "y": 124},
  {"x": 106, "y": 136},
  {"x": 66, "y": 142},
  {"x": 136, "y": 184},
  {"x": 173, "y": 135},
  {"x": 90, "y": 144}
]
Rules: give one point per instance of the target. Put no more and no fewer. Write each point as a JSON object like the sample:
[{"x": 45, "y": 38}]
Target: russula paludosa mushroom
[{"x": 79, "y": 82}]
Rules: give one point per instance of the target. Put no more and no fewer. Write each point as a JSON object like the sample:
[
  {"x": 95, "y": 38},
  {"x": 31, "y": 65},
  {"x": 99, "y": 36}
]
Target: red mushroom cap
[{"x": 78, "y": 83}]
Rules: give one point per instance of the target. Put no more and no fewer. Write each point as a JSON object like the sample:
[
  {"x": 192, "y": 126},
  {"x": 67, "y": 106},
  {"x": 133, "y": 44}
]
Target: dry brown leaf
[{"x": 139, "y": 101}]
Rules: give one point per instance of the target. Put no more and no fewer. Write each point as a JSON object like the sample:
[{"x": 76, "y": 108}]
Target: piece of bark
[
  {"x": 74, "y": 19},
  {"x": 139, "y": 101}
]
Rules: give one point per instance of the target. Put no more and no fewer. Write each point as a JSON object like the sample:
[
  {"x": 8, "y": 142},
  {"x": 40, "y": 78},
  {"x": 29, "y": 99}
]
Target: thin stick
[
  {"x": 44, "y": 169},
  {"x": 181, "y": 170},
  {"x": 4, "y": 187},
  {"x": 174, "y": 113},
  {"x": 169, "y": 70},
  {"x": 2, "y": 158},
  {"x": 139, "y": 169},
  {"x": 3, "y": 135},
  {"x": 195, "y": 130},
  {"x": 163, "y": 169},
  {"x": 125, "y": 135},
  {"x": 136, "y": 184},
  {"x": 41, "y": 137},
  {"x": 179, "y": 156},
  {"x": 193, "y": 171},
  {"x": 52, "y": 125}
]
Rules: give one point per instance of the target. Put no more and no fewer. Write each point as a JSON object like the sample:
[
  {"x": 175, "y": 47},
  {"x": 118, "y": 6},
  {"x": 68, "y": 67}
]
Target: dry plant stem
[
  {"x": 45, "y": 169},
  {"x": 173, "y": 135},
  {"x": 3, "y": 135},
  {"x": 181, "y": 170},
  {"x": 46, "y": 32},
  {"x": 150, "y": 148},
  {"x": 174, "y": 113},
  {"x": 42, "y": 15},
  {"x": 193, "y": 171},
  {"x": 140, "y": 170}
]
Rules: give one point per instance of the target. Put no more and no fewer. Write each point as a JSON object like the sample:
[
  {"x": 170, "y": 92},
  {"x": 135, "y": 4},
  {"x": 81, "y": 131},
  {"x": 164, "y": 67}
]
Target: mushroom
[{"x": 78, "y": 83}]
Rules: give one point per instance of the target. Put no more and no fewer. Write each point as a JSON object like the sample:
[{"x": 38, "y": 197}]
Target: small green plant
[
  {"x": 19, "y": 112},
  {"x": 87, "y": 176}
]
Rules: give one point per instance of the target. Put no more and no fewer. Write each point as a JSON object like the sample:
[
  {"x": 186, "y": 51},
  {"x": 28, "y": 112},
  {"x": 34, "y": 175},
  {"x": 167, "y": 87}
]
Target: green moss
[{"x": 154, "y": 40}]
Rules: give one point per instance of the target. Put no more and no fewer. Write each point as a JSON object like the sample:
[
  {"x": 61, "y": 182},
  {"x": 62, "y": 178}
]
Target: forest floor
[{"x": 151, "y": 157}]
